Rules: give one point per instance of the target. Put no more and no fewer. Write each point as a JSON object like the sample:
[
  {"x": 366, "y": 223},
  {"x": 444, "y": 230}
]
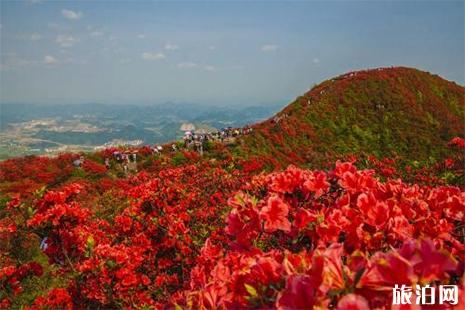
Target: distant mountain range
[{"x": 36, "y": 129}]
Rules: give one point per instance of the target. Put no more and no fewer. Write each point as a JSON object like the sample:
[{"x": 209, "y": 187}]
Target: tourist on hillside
[
  {"x": 117, "y": 155},
  {"x": 78, "y": 162}
]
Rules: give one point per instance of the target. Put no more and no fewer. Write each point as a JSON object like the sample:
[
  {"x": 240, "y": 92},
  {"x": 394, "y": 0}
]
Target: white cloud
[
  {"x": 152, "y": 56},
  {"x": 212, "y": 47},
  {"x": 50, "y": 60},
  {"x": 66, "y": 40},
  {"x": 141, "y": 36},
  {"x": 171, "y": 47},
  {"x": 316, "y": 60},
  {"x": 269, "y": 48},
  {"x": 186, "y": 65},
  {"x": 71, "y": 15},
  {"x": 209, "y": 68},
  {"x": 96, "y": 34}
]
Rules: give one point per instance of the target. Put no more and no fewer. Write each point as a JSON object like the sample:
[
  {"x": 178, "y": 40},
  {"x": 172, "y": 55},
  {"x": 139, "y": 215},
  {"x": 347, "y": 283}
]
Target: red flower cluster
[
  {"x": 457, "y": 142},
  {"x": 307, "y": 238},
  {"x": 11, "y": 277},
  {"x": 212, "y": 234},
  {"x": 25, "y": 175},
  {"x": 93, "y": 168},
  {"x": 134, "y": 256},
  {"x": 57, "y": 298}
]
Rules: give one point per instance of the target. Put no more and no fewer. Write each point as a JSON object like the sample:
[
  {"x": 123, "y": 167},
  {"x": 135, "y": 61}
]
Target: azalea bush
[
  {"x": 118, "y": 243},
  {"x": 300, "y": 239},
  {"x": 221, "y": 233}
]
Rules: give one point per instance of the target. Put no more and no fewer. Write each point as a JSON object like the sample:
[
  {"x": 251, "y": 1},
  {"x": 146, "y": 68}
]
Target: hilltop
[{"x": 384, "y": 112}]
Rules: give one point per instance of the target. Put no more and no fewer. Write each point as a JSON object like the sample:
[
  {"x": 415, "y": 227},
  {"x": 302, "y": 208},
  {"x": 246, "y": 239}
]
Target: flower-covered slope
[
  {"x": 384, "y": 112},
  {"x": 219, "y": 231},
  {"x": 202, "y": 236}
]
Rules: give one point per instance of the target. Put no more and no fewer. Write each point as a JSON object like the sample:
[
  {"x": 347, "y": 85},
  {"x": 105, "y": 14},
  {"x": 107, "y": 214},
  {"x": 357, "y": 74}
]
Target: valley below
[{"x": 53, "y": 129}]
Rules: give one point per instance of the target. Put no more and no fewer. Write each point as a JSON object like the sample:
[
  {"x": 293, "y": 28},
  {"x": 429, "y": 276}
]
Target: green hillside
[{"x": 386, "y": 112}]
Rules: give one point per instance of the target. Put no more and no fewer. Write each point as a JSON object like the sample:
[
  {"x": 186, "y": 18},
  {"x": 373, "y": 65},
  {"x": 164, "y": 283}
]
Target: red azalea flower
[
  {"x": 304, "y": 217},
  {"x": 36, "y": 268},
  {"x": 433, "y": 263},
  {"x": 317, "y": 184},
  {"x": 300, "y": 293},
  {"x": 457, "y": 142},
  {"x": 275, "y": 215},
  {"x": 353, "y": 302},
  {"x": 376, "y": 213},
  {"x": 449, "y": 162}
]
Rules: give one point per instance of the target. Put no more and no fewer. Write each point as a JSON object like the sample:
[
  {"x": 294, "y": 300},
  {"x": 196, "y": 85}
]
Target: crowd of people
[
  {"x": 128, "y": 160},
  {"x": 191, "y": 140},
  {"x": 196, "y": 140},
  {"x": 279, "y": 118}
]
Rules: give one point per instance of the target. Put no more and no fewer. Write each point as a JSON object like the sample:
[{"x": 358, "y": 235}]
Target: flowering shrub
[
  {"x": 220, "y": 233},
  {"x": 56, "y": 299},
  {"x": 11, "y": 276},
  {"x": 132, "y": 247},
  {"x": 300, "y": 239},
  {"x": 93, "y": 168}
]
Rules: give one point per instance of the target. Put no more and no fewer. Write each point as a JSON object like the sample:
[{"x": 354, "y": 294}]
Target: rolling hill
[{"x": 385, "y": 112}]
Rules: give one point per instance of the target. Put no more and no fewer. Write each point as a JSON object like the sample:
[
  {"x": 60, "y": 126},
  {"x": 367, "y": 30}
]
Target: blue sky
[{"x": 214, "y": 52}]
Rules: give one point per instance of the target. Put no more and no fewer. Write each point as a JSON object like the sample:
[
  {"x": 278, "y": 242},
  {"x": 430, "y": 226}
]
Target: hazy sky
[{"x": 214, "y": 52}]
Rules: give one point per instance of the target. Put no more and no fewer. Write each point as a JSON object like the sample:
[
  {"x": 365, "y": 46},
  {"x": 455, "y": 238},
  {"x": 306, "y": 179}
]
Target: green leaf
[
  {"x": 40, "y": 192},
  {"x": 90, "y": 242},
  {"x": 251, "y": 290}
]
